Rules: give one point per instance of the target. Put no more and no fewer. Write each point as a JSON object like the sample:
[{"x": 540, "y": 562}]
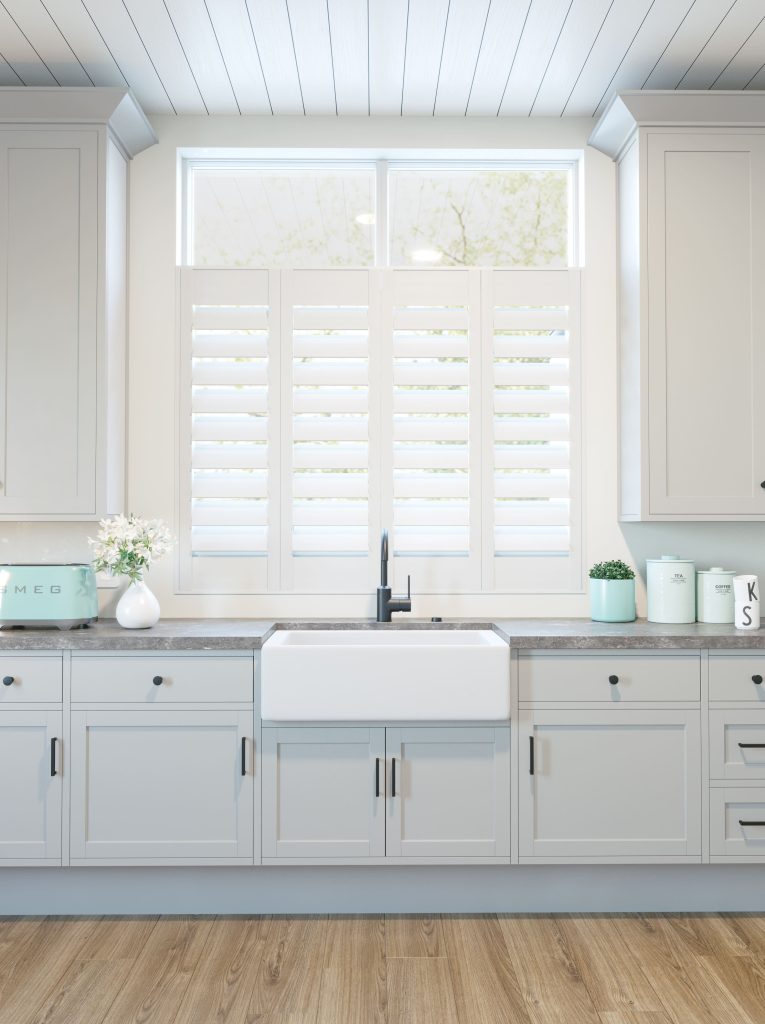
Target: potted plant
[
  {"x": 612, "y": 592},
  {"x": 126, "y": 546}
]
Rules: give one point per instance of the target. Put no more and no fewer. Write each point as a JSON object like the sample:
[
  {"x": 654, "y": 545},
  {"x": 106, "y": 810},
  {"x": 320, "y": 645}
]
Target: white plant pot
[{"x": 138, "y": 608}]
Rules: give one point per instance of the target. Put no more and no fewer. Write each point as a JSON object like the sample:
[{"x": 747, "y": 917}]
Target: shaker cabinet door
[{"x": 31, "y": 770}]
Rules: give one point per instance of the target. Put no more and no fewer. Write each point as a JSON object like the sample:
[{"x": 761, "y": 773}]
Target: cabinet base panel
[{"x": 396, "y": 889}]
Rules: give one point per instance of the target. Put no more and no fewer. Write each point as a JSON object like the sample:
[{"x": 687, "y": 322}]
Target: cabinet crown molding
[
  {"x": 626, "y": 112},
  {"x": 116, "y": 108}
]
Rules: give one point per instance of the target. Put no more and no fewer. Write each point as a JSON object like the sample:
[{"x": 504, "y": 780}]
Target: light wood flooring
[{"x": 488, "y": 969}]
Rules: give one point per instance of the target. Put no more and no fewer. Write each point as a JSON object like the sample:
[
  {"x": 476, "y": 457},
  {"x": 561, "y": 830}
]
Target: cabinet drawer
[
  {"x": 114, "y": 679},
  {"x": 733, "y": 679},
  {"x": 559, "y": 679},
  {"x": 34, "y": 679},
  {"x": 737, "y": 744},
  {"x": 737, "y": 822}
]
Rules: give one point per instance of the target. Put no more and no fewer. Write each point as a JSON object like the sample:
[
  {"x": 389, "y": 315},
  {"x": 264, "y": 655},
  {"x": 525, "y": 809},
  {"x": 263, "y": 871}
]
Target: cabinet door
[
  {"x": 163, "y": 785},
  {"x": 323, "y": 792},
  {"x": 48, "y": 330},
  {"x": 609, "y": 784},
  {"x": 31, "y": 767},
  {"x": 451, "y": 796},
  {"x": 706, "y": 323}
]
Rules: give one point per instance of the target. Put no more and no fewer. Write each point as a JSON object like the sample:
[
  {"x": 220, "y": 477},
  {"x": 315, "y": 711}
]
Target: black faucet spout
[{"x": 386, "y": 603}]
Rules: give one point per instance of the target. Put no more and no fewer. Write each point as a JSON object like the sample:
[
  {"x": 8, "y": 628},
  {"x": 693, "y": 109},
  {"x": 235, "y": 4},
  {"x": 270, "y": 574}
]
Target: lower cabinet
[
  {"x": 359, "y": 793},
  {"x": 162, "y": 785},
  {"x": 31, "y": 770},
  {"x": 619, "y": 783}
]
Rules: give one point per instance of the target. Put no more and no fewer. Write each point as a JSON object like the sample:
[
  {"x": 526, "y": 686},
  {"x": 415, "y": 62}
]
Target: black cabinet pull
[
  {"x": 531, "y": 755},
  {"x": 744, "y": 746},
  {"x": 53, "y": 742},
  {"x": 393, "y": 776},
  {"x": 8, "y": 680},
  {"x": 762, "y": 484},
  {"x": 745, "y": 823},
  {"x": 613, "y": 680},
  {"x": 158, "y": 680},
  {"x": 244, "y": 755},
  {"x": 757, "y": 680},
  {"x": 377, "y": 776}
]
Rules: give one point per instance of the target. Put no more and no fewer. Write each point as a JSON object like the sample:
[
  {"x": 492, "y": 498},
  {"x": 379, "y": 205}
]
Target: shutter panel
[
  {"x": 226, "y": 423},
  {"x": 327, "y": 377},
  {"x": 532, "y": 351}
]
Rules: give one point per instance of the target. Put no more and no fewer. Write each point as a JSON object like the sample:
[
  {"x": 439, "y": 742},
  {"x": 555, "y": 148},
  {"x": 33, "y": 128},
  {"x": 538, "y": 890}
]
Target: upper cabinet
[
  {"x": 64, "y": 157},
  {"x": 691, "y": 247}
]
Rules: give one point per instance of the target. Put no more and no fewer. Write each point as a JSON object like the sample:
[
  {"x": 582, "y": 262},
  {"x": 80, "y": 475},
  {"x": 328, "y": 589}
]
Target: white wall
[{"x": 153, "y": 367}]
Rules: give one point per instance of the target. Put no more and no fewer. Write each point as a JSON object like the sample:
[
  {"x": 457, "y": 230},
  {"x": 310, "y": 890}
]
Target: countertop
[{"x": 250, "y": 634}]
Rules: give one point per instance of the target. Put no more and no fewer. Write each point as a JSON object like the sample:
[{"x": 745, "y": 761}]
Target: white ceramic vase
[{"x": 138, "y": 608}]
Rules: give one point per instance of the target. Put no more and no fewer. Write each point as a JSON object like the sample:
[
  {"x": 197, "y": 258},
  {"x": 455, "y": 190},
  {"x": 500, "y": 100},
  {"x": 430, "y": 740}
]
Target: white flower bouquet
[{"x": 127, "y": 545}]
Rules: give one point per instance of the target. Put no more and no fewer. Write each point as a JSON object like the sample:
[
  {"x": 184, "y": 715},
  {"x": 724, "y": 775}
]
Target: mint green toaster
[{"x": 53, "y": 596}]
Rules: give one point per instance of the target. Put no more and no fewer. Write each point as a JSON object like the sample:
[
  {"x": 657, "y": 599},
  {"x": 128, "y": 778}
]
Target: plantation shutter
[
  {"x": 227, "y": 422},
  {"x": 434, "y": 427},
  {"x": 531, "y": 487},
  {"x": 328, "y": 430}
]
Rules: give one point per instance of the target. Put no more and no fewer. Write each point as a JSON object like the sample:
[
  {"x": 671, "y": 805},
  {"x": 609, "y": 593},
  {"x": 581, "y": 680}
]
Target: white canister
[
  {"x": 746, "y": 590},
  {"x": 714, "y": 595},
  {"x": 671, "y": 586}
]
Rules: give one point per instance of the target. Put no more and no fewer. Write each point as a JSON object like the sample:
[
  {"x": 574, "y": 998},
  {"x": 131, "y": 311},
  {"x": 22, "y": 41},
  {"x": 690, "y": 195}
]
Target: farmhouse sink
[{"x": 385, "y": 675}]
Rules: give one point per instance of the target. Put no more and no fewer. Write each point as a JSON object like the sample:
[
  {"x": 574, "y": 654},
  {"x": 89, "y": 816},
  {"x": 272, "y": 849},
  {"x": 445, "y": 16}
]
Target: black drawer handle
[
  {"x": 757, "y": 680},
  {"x": 745, "y": 746},
  {"x": 377, "y": 776},
  {"x": 8, "y": 680},
  {"x": 244, "y": 755},
  {"x": 531, "y": 755},
  {"x": 53, "y": 742},
  {"x": 745, "y": 823},
  {"x": 158, "y": 680},
  {"x": 393, "y": 776},
  {"x": 613, "y": 680}
]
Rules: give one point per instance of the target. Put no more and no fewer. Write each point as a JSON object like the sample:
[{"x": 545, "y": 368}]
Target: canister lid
[
  {"x": 670, "y": 558},
  {"x": 719, "y": 570}
]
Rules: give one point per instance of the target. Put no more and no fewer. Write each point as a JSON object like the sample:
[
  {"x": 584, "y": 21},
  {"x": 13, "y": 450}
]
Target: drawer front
[
  {"x": 548, "y": 679},
  {"x": 737, "y": 822},
  {"x": 37, "y": 680},
  {"x": 114, "y": 679},
  {"x": 737, "y": 744},
  {"x": 735, "y": 679}
]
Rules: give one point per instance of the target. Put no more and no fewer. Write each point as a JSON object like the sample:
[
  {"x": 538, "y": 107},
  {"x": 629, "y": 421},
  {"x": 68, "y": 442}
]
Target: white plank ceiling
[{"x": 423, "y": 57}]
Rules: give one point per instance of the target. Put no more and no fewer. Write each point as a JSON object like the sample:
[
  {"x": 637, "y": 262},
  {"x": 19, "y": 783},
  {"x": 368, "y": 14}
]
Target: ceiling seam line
[
  {"x": 515, "y": 55},
  {"x": 13, "y": 69},
  {"x": 706, "y": 44},
  {"x": 669, "y": 43},
  {"x": 294, "y": 55},
  {"x": 185, "y": 56},
  {"x": 257, "y": 52},
  {"x": 738, "y": 51},
  {"x": 477, "y": 57},
  {"x": 549, "y": 62},
  {"x": 143, "y": 44},
  {"x": 369, "y": 79},
  {"x": 30, "y": 43},
  {"x": 101, "y": 35},
  {"x": 624, "y": 57},
  {"x": 66, "y": 41},
  {"x": 223, "y": 60},
  {"x": 331, "y": 54},
  {"x": 589, "y": 52},
  {"x": 441, "y": 58},
  {"x": 406, "y": 47},
  {"x": 749, "y": 82}
]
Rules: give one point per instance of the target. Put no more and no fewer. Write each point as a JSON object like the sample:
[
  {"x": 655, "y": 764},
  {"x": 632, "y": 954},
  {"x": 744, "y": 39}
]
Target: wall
[{"x": 153, "y": 352}]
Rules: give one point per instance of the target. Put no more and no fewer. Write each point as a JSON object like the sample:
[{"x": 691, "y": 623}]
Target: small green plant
[{"x": 615, "y": 570}]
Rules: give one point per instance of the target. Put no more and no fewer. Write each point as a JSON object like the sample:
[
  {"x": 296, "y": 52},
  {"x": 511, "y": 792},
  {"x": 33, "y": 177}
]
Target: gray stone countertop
[{"x": 250, "y": 634}]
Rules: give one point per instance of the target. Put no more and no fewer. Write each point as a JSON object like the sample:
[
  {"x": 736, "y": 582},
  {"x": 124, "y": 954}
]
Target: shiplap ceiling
[{"x": 410, "y": 57}]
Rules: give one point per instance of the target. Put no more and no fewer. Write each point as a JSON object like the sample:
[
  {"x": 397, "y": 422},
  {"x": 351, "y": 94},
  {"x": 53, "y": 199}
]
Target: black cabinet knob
[
  {"x": 757, "y": 680},
  {"x": 8, "y": 680},
  {"x": 157, "y": 680},
  {"x": 613, "y": 680},
  {"x": 762, "y": 484}
]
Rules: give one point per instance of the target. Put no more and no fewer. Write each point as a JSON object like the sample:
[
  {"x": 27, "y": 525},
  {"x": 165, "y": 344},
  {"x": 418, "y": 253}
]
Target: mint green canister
[
  {"x": 612, "y": 600},
  {"x": 671, "y": 587},
  {"x": 714, "y": 595}
]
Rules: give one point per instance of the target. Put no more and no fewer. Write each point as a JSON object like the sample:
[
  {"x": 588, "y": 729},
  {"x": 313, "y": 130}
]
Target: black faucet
[{"x": 386, "y": 603}]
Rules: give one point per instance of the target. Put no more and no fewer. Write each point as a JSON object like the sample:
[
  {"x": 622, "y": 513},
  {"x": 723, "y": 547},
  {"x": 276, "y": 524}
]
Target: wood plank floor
[{"x": 465, "y": 969}]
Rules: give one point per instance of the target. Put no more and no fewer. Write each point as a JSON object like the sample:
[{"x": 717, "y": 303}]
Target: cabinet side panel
[
  {"x": 116, "y": 324},
  {"x": 629, "y": 334}
]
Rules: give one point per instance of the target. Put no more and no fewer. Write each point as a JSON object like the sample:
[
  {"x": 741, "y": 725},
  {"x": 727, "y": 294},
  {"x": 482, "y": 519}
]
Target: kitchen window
[{"x": 437, "y": 397}]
